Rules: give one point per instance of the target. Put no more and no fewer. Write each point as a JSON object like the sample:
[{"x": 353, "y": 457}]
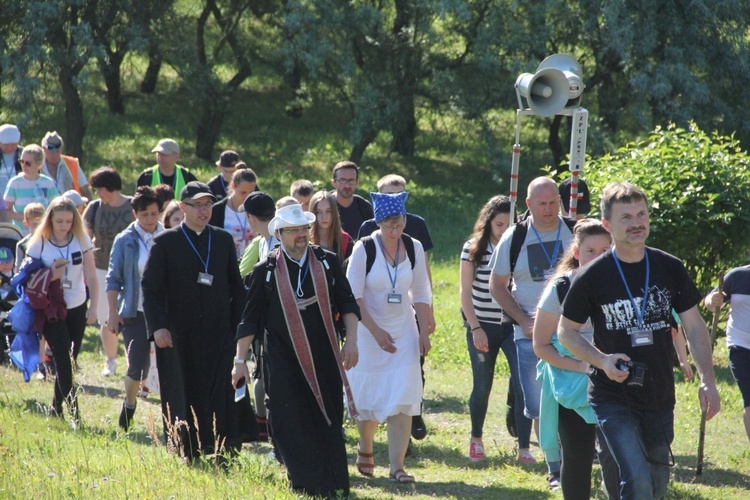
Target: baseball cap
[
  {"x": 52, "y": 140},
  {"x": 584, "y": 198},
  {"x": 228, "y": 159},
  {"x": 194, "y": 190},
  {"x": 6, "y": 255},
  {"x": 259, "y": 204},
  {"x": 167, "y": 147},
  {"x": 75, "y": 197},
  {"x": 9, "y": 134}
]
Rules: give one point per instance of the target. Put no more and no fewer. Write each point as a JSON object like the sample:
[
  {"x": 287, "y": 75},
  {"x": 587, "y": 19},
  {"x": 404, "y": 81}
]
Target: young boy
[
  {"x": 302, "y": 190},
  {"x": 33, "y": 213}
]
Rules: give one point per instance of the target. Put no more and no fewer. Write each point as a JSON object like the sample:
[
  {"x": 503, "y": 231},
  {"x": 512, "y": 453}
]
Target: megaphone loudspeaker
[{"x": 546, "y": 91}]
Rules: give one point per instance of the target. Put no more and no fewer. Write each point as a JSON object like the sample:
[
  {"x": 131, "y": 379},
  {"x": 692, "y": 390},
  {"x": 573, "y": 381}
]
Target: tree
[
  {"x": 697, "y": 186},
  {"x": 221, "y": 44}
]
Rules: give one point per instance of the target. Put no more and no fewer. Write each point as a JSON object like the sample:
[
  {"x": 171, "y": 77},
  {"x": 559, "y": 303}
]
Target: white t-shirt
[
  {"x": 237, "y": 225},
  {"x": 73, "y": 252}
]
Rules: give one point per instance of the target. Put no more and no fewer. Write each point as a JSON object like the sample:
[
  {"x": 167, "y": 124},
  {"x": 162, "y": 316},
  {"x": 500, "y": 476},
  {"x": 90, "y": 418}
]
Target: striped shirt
[{"x": 485, "y": 307}]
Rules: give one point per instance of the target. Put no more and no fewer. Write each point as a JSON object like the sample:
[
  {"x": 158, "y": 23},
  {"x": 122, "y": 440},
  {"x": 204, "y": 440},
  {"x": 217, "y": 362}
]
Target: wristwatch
[{"x": 238, "y": 361}]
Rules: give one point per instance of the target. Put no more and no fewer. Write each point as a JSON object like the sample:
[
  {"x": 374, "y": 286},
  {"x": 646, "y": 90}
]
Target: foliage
[{"x": 697, "y": 186}]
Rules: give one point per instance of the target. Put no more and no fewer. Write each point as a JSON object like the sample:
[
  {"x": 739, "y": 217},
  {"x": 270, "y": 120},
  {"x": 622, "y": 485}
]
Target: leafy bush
[{"x": 698, "y": 187}]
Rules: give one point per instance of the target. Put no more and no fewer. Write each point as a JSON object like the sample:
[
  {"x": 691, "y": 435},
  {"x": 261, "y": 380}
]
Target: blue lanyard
[
  {"x": 208, "y": 257},
  {"x": 393, "y": 277},
  {"x": 67, "y": 253},
  {"x": 639, "y": 315},
  {"x": 8, "y": 170},
  {"x": 552, "y": 259},
  {"x": 243, "y": 225}
]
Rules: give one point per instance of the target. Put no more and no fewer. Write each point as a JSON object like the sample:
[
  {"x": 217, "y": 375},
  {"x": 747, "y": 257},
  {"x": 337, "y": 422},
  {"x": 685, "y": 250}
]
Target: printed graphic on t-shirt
[
  {"x": 539, "y": 263},
  {"x": 620, "y": 315}
]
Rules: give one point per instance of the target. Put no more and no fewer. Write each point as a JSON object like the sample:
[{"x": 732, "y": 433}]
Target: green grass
[{"x": 43, "y": 456}]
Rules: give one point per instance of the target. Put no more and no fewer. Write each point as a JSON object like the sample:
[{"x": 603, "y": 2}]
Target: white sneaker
[{"x": 110, "y": 368}]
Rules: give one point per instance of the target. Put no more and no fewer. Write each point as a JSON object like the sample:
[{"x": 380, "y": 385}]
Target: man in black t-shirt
[
  {"x": 629, "y": 294},
  {"x": 353, "y": 209}
]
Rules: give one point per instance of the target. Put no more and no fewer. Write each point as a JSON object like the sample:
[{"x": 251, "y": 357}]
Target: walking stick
[{"x": 712, "y": 338}]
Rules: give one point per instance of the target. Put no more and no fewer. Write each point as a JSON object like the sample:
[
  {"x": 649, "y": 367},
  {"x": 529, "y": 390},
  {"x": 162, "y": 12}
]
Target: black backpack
[
  {"x": 371, "y": 251},
  {"x": 519, "y": 236}
]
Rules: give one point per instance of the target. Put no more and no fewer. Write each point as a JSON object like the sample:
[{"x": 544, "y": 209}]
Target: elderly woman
[
  {"x": 126, "y": 265},
  {"x": 386, "y": 383},
  {"x": 105, "y": 218}
]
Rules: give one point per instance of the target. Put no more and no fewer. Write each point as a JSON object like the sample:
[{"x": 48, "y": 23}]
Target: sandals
[
  {"x": 365, "y": 463},
  {"x": 401, "y": 477}
]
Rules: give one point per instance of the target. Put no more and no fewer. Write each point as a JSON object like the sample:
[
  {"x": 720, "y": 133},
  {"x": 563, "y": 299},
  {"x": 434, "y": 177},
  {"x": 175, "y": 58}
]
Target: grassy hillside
[{"x": 449, "y": 181}]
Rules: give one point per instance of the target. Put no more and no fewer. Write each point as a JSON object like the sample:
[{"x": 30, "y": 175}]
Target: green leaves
[{"x": 697, "y": 186}]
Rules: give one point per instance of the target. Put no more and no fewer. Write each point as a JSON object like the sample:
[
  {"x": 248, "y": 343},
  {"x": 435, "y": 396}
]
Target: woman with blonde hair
[
  {"x": 61, "y": 243},
  {"x": 326, "y": 230}
]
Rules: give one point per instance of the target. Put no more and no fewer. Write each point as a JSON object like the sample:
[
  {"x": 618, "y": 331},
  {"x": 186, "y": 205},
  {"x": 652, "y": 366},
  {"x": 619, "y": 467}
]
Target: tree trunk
[
  {"x": 148, "y": 84},
  {"x": 404, "y": 128},
  {"x": 358, "y": 151},
  {"x": 111, "y": 70},
  {"x": 214, "y": 109},
  {"x": 405, "y": 62},
  {"x": 74, "y": 125}
]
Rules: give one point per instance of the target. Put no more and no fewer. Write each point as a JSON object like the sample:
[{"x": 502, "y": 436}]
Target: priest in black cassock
[
  {"x": 192, "y": 301},
  {"x": 293, "y": 313}
]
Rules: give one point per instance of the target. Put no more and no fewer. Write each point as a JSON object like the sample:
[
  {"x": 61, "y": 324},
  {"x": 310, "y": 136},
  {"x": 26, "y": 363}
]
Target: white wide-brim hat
[{"x": 290, "y": 216}]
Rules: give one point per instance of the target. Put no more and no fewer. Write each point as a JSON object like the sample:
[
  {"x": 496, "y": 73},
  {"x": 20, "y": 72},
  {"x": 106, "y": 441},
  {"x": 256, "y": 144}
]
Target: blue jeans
[
  {"x": 640, "y": 444},
  {"x": 532, "y": 388},
  {"x": 483, "y": 372}
]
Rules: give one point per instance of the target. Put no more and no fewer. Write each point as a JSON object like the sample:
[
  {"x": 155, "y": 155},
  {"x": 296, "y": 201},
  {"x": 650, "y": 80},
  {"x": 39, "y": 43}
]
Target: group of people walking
[{"x": 332, "y": 296}]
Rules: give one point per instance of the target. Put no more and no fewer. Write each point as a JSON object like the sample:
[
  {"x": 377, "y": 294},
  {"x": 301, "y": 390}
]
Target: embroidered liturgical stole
[{"x": 297, "y": 328}]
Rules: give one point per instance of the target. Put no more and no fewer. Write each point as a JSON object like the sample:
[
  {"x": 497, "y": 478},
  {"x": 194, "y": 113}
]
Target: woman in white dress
[{"x": 386, "y": 384}]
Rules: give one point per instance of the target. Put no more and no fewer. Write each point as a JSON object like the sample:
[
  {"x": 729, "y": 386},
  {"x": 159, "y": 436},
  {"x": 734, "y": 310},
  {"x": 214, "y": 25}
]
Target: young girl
[
  {"x": 486, "y": 334},
  {"x": 565, "y": 409},
  {"x": 62, "y": 244},
  {"x": 226, "y": 215},
  {"x": 172, "y": 215},
  {"x": 326, "y": 230}
]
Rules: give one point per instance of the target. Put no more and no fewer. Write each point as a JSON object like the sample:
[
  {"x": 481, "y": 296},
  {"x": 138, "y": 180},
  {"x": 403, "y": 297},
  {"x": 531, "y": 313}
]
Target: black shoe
[
  {"x": 126, "y": 416},
  {"x": 418, "y": 428}
]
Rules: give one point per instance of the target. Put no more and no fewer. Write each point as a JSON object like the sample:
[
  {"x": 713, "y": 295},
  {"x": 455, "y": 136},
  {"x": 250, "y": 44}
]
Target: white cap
[
  {"x": 9, "y": 134},
  {"x": 75, "y": 197}
]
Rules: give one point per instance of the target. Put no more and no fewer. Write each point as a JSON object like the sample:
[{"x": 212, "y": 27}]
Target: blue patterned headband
[{"x": 387, "y": 205}]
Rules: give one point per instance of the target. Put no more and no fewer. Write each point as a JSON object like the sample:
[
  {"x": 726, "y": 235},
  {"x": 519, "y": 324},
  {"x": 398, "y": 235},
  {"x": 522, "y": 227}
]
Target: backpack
[
  {"x": 562, "y": 285},
  {"x": 516, "y": 242},
  {"x": 371, "y": 251}
]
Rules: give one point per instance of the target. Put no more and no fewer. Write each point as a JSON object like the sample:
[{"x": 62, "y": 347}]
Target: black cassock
[
  {"x": 195, "y": 373},
  {"x": 314, "y": 452}
]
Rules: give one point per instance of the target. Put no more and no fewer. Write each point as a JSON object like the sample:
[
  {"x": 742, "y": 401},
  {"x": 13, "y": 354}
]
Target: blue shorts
[{"x": 739, "y": 363}]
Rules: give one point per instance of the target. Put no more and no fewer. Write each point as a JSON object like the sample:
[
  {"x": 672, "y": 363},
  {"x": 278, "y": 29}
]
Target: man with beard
[
  {"x": 353, "y": 209},
  {"x": 294, "y": 296},
  {"x": 629, "y": 294},
  {"x": 192, "y": 301}
]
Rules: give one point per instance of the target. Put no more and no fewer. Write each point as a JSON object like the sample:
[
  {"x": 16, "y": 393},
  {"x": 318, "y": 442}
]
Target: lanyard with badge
[
  {"x": 641, "y": 336},
  {"x": 548, "y": 272},
  {"x": 203, "y": 278},
  {"x": 393, "y": 297},
  {"x": 66, "y": 283}
]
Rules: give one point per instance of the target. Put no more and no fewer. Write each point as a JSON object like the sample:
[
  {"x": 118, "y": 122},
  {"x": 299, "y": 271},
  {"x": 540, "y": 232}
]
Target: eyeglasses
[
  {"x": 199, "y": 206},
  {"x": 346, "y": 182},
  {"x": 295, "y": 230},
  {"x": 397, "y": 227}
]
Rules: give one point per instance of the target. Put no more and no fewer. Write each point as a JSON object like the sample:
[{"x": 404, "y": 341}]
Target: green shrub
[{"x": 698, "y": 187}]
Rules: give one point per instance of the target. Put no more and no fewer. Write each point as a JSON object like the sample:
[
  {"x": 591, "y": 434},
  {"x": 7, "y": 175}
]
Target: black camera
[{"x": 636, "y": 369}]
